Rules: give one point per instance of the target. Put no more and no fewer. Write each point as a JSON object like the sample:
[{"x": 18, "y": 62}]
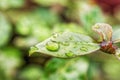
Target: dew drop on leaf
[
  {"x": 52, "y": 46},
  {"x": 71, "y": 38},
  {"x": 84, "y": 49},
  {"x": 69, "y": 54},
  {"x": 65, "y": 43},
  {"x": 55, "y": 35},
  {"x": 83, "y": 43}
]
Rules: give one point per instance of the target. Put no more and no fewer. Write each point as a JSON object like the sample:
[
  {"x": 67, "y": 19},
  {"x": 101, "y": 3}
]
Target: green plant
[{"x": 70, "y": 44}]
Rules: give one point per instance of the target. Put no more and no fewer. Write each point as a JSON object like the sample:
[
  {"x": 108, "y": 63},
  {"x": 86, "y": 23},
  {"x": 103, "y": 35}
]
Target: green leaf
[
  {"x": 10, "y": 60},
  {"x": 71, "y": 27},
  {"x": 66, "y": 45},
  {"x": 116, "y": 36}
]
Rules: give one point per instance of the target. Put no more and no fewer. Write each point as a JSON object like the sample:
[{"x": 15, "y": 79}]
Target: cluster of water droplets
[{"x": 68, "y": 45}]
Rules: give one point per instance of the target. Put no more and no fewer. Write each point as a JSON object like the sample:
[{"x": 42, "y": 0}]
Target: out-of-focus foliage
[
  {"x": 90, "y": 15},
  {"x": 74, "y": 69},
  {"x": 5, "y": 29},
  {"x": 32, "y": 73},
  {"x": 107, "y": 69},
  {"x": 24, "y": 23},
  {"x": 40, "y": 19},
  {"x": 10, "y": 60},
  {"x": 7, "y": 4},
  {"x": 51, "y": 2}
]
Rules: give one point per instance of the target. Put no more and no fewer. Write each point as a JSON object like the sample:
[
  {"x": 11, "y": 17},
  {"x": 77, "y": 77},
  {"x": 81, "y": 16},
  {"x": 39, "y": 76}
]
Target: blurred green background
[{"x": 24, "y": 23}]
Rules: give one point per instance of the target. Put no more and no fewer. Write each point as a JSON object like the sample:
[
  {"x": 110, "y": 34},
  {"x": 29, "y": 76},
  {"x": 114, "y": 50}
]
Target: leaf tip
[{"x": 32, "y": 50}]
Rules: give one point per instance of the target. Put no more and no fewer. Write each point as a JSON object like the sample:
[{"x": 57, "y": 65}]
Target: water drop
[
  {"x": 55, "y": 35},
  {"x": 69, "y": 54},
  {"x": 75, "y": 45},
  {"x": 83, "y": 49},
  {"x": 52, "y": 46},
  {"x": 65, "y": 43},
  {"x": 53, "y": 38},
  {"x": 83, "y": 42},
  {"x": 71, "y": 38}
]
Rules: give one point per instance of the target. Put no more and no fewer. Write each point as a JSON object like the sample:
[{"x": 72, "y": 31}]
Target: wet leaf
[
  {"x": 116, "y": 36},
  {"x": 104, "y": 30},
  {"x": 77, "y": 44}
]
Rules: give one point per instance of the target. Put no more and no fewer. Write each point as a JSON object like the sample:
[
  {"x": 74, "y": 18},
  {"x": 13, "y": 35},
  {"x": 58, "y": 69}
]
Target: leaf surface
[{"x": 66, "y": 45}]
